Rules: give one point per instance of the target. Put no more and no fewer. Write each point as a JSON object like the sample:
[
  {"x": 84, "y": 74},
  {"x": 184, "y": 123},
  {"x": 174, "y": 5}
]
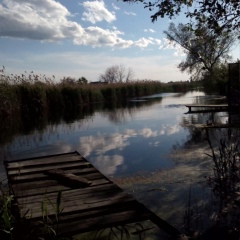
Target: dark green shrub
[
  {"x": 71, "y": 96},
  {"x": 96, "y": 95},
  {"x": 109, "y": 94},
  {"x": 9, "y": 103},
  {"x": 32, "y": 98},
  {"x": 54, "y": 98}
]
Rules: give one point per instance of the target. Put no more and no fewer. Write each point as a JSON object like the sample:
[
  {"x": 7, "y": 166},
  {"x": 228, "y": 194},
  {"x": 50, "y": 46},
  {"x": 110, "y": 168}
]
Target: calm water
[
  {"x": 120, "y": 142},
  {"x": 147, "y": 146}
]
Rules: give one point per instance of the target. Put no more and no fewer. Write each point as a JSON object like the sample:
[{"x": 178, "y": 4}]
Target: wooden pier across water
[
  {"x": 98, "y": 205},
  {"x": 207, "y": 107}
]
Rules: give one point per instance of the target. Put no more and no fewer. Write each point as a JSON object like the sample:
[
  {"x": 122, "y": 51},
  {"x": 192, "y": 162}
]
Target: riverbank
[{"x": 31, "y": 95}]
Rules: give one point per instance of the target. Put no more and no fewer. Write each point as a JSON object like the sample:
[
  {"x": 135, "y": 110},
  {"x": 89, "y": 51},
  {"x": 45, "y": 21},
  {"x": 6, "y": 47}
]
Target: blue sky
[{"x": 83, "y": 38}]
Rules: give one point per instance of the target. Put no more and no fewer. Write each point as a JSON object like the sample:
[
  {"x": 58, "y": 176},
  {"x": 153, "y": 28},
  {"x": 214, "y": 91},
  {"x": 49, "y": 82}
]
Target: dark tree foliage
[
  {"x": 219, "y": 15},
  {"x": 204, "y": 49}
]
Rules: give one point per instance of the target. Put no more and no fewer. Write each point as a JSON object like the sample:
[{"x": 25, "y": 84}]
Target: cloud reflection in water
[
  {"x": 108, "y": 164},
  {"x": 101, "y": 146}
]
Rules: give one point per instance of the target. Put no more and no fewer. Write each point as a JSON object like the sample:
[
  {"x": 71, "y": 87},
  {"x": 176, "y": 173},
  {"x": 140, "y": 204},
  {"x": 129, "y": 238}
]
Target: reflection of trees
[
  {"x": 9, "y": 128},
  {"x": 118, "y": 115},
  {"x": 193, "y": 121},
  {"x": 234, "y": 118},
  {"x": 128, "y": 109},
  {"x": 37, "y": 125},
  {"x": 217, "y": 216},
  {"x": 224, "y": 181}
]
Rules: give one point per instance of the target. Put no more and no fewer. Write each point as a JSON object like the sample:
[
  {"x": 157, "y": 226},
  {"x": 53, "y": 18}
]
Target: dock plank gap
[{"x": 83, "y": 198}]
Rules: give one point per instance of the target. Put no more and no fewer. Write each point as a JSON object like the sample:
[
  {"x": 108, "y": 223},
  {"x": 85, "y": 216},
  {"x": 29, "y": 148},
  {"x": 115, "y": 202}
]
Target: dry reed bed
[{"x": 38, "y": 95}]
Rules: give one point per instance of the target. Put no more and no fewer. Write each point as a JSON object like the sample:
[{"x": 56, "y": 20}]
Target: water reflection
[
  {"x": 137, "y": 136},
  {"x": 110, "y": 163},
  {"x": 150, "y": 147}
]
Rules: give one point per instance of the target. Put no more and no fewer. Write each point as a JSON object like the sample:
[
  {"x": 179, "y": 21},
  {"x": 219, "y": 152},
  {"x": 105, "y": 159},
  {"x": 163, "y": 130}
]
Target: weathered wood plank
[
  {"x": 101, "y": 220},
  {"x": 43, "y": 176},
  {"x": 101, "y": 204},
  {"x": 214, "y": 125},
  {"x": 87, "y": 198},
  {"x": 53, "y": 188},
  {"x": 76, "y": 205},
  {"x": 41, "y": 168},
  {"x": 210, "y": 107},
  {"x": 71, "y": 193},
  {"x": 48, "y": 182},
  {"x": 45, "y": 160},
  {"x": 206, "y": 105},
  {"x": 104, "y": 221},
  {"x": 134, "y": 206}
]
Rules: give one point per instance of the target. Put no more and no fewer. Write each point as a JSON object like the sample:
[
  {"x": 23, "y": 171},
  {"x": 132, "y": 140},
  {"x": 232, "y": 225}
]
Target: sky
[{"x": 73, "y": 38}]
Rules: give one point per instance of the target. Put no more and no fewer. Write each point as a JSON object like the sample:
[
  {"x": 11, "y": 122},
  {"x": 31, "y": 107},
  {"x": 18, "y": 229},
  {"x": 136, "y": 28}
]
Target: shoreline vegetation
[
  {"x": 30, "y": 102},
  {"x": 37, "y": 95}
]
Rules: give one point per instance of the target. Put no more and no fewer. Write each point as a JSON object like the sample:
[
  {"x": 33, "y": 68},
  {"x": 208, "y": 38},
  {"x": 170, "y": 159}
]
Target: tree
[
  {"x": 129, "y": 75},
  {"x": 82, "y": 80},
  {"x": 204, "y": 49},
  {"x": 117, "y": 74},
  {"x": 219, "y": 15},
  {"x": 68, "y": 80}
]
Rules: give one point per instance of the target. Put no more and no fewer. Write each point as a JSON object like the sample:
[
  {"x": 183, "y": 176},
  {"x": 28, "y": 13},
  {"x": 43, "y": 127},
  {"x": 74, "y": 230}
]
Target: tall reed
[
  {"x": 37, "y": 95},
  {"x": 7, "y": 219}
]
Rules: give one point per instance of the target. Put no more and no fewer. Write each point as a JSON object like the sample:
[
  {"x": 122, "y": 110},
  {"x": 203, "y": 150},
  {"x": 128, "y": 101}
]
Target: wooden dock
[
  {"x": 213, "y": 125},
  {"x": 207, "y": 107},
  {"x": 101, "y": 204}
]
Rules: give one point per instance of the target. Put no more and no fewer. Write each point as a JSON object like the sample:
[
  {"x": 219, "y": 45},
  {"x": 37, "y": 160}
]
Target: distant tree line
[
  {"x": 71, "y": 80},
  {"x": 30, "y": 94},
  {"x": 117, "y": 74}
]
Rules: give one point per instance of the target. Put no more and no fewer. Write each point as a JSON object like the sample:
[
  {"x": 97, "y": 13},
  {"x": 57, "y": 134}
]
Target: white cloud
[
  {"x": 162, "y": 68},
  {"x": 129, "y": 133},
  {"x": 155, "y": 41},
  {"x": 178, "y": 50},
  {"x": 130, "y": 13},
  {"x": 47, "y": 20},
  {"x": 97, "y": 37},
  {"x": 96, "y": 11},
  {"x": 149, "y": 30},
  {"x": 145, "y": 42},
  {"x": 115, "y": 7},
  {"x": 101, "y": 144},
  {"x": 154, "y": 144},
  {"x": 169, "y": 130},
  {"x": 108, "y": 164},
  {"x": 41, "y": 20},
  {"x": 148, "y": 132}
]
